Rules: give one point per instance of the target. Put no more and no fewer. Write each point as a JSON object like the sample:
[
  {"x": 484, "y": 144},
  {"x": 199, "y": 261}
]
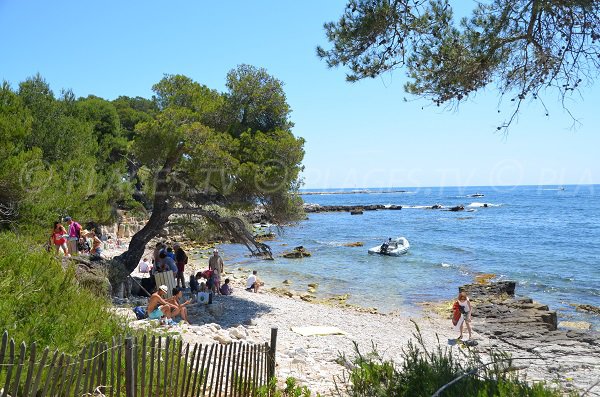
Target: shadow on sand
[{"x": 228, "y": 311}]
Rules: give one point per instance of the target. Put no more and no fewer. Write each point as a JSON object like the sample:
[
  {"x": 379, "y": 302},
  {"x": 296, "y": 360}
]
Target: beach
[{"x": 315, "y": 360}]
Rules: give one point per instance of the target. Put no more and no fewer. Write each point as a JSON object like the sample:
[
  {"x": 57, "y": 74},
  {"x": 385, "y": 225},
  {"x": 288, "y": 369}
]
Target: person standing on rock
[
  {"x": 181, "y": 260},
  {"x": 215, "y": 263},
  {"x": 74, "y": 235},
  {"x": 464, "y": 306}
]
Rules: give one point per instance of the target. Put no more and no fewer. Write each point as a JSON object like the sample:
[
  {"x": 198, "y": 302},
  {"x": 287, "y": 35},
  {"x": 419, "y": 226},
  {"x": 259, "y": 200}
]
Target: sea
[{"x": 546, "y": 238}]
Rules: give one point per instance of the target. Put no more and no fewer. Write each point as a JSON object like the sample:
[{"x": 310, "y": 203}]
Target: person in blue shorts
[{"x": 158, "y": 307}]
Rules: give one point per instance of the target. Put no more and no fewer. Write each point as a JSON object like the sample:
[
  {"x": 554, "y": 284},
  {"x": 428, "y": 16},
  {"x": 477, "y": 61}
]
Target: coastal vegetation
[
  {"x": 439, "y": 371},
  {"x": 189, "y": 151},
  {"x": 528, "y": 48}
]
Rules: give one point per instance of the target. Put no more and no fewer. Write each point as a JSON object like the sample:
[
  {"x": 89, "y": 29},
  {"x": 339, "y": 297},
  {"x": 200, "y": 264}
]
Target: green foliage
[
  {"x": 291, "y": 389},
  {"x": 523, "y": 46},
  {"x": 422, "y": 372},
  {"x": 255, "y": 101},
  {"x": 39, "y": 301}
]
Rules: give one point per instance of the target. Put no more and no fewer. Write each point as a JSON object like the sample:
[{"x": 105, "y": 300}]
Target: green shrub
[
  {"x": 423, "y": 372},
  {"x": 42, "y": 302},
  {"x": 291, "y": 389}
]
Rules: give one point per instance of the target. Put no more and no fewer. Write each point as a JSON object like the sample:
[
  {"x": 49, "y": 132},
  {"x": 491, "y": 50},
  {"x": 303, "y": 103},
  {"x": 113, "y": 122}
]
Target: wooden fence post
[
  {"x": 129, "y": 368},
  {"x": 271, "y": 354}
]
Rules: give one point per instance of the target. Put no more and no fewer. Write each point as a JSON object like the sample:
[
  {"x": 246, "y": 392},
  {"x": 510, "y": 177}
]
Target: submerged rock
[
  {"x": 298, "y": 252},
  {"x": 353, "y": 244}
]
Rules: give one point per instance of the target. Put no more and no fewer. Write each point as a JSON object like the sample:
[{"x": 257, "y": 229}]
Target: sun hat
[
  {"x": 163, "y": 288},
  {"x": 215, "y": 250}
]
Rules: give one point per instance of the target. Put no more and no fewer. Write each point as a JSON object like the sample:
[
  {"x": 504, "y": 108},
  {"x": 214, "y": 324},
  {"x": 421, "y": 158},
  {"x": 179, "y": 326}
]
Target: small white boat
[{"x": 394, "y": 247}]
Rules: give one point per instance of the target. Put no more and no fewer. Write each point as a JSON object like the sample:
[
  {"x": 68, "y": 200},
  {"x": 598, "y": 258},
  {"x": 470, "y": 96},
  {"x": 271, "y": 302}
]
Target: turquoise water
[{"x": 545, "y": 238}]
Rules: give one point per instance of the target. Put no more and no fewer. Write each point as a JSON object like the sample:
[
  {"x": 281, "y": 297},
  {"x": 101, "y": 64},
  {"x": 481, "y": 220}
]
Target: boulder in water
[{"x": 298, "y": 252}]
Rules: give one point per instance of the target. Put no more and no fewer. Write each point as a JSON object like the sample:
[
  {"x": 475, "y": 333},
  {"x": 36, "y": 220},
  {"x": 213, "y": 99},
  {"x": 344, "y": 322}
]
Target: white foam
[{"x": 481, "y": 205}]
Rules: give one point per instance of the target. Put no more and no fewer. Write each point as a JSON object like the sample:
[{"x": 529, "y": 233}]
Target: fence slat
[
  {"x": 50, "y": 373},
  {"x": 23, "y": 350},
  {"x": 129, "y": 374},
  {"x": 30, "y": 368},
  {"x": 64, "y": 376},
  {"x": 135, "y": 364},
  {"x": 71, "y": 378},
  {"x": 217, "y": 384},
  {"x": 11, "y": 362},
  {"x": 238, "y": 366},
  {"x": 158, "y": 358},
  {"x": 38, "y": 376},
  {"x": 112, "y": 366},
  {"x": 230, "y": 351},
  {"x": 58, "y": 371},
  {"x": 166, "y": 375},
  {"x": 177, "y": 354},
  {"x": 104, "y": 367},
  {"x": 212, "y": 348},
  {"x": 255, "y": 370},
  {"x": 247, "y": 370},
  {"x": 185, "y": 366},
  {"x": 214, "y": 383},
  {"x": 187, "y": 386},
  {"x": 88, "y": 367},
  {"x": 150, "y": 376},
  {"x": 119, "y": 361},
  {"x": 94, "y": 368},
  {"x": 3, "y": 349},
  {"x": 80, "y": 371},
  {"x": 199, "y": 371},
  {"x": 143, "y": 368}
]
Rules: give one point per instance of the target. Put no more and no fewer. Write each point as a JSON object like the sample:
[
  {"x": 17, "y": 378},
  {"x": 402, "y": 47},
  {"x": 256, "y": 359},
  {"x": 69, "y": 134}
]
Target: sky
[{"x": 357, "y": 135}]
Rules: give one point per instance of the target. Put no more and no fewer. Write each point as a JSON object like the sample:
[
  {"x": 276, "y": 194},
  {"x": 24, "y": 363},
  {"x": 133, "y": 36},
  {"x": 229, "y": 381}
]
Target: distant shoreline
[{"x": 362, "y": 191}]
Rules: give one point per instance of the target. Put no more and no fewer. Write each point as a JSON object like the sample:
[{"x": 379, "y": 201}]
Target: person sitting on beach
[
  {"x": 194, "y": 284},
  {"x": 158, "y": 307},
  {"x": 226, "y": 288},
  {"x": 96, "y": 250},
  {"x": 144, "y": 266},
  {"x": 253, "y": 283},
  {"x": 464, "y": 306},
  {"x": 181, "y": 309}
]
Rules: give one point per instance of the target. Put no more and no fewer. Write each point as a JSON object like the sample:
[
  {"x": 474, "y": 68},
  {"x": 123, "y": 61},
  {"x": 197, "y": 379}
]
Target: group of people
[
  {"x": 165, "y": 309},
  {"x": 75, "y": 240}
]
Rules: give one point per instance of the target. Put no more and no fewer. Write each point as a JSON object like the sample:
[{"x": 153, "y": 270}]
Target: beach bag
[
  {"x": 140, "y": 312},
  {"x": 456, "y": 313},
  {"x": 203, "y": 298}
]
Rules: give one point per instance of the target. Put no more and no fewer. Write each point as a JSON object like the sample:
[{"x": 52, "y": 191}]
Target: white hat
[
  {"x": 163, "y": 288},
  {"x": 215, "y": 250}
]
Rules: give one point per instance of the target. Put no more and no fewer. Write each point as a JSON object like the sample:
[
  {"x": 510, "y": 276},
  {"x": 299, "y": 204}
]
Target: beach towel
[
  {"x": 318, "y": 330},
  {"x": 456, "y": 313}
]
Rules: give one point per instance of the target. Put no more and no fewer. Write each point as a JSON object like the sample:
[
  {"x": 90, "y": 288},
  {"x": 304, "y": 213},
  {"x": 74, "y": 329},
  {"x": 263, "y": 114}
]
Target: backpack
[{"x": 140, "y": 312}]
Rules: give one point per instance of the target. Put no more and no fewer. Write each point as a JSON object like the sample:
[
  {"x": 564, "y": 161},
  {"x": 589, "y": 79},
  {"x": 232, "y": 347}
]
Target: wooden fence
[{"x": 137, "y": 367}]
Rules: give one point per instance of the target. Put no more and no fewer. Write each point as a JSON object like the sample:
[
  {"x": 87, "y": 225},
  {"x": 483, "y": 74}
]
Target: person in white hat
[
  {"x": 158, "y": 306},
  {"x": 215, "y": 263}
]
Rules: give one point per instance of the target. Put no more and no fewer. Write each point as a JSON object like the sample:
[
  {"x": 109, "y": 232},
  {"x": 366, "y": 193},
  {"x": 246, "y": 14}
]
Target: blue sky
[{"x": 358, "y": 135}]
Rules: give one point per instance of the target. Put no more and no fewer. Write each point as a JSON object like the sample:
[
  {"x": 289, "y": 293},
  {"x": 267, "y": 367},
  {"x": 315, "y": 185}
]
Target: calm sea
[{"x": 545, "y": 238}]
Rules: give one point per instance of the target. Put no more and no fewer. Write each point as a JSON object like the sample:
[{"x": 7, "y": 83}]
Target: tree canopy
[
  {"x": 188, "y": 150},
  {"x": 523, "y": 46}
]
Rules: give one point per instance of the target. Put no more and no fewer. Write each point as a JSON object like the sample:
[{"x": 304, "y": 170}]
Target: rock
[
  {"x": 298, "y": 252},
  {"x": 588, "y": 308},
  {"x": 287, "y": 282},
  {"x": 223, "y": 339},
  {"x": 356, "y": 212},
  {"x": 358, "y": 209},
  {"x": 354, "y": 244},
  {"x": 575, "y": 325},
  {"x": 313, "y": 285},
  {"x": 493, "y": 289}
]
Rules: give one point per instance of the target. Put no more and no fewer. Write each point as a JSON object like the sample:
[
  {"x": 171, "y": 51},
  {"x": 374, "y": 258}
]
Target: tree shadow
[{"x": 227, "y": 311}]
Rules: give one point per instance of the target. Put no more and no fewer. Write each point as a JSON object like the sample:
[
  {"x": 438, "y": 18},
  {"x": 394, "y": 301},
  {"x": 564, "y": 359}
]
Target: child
[
  {"x": 463, "y": 306},
  {"x": 226, "y": 288},
  {"x": 194, "y": 285}
]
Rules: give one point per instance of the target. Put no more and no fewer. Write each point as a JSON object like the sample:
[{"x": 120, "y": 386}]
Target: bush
[
  {"x": 291, "y": 389},
  {"x": 42, "y": 302},
  {"x": 423, "y": 373}
]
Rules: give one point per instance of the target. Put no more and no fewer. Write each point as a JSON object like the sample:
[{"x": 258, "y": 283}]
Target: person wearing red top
[{"x": 58, "y": 238}]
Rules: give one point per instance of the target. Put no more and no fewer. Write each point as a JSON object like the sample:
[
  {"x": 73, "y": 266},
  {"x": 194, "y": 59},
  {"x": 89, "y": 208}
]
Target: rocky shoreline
[
  {"x": 311, "y": 208},
  {"x": 530, "y": 332}
]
